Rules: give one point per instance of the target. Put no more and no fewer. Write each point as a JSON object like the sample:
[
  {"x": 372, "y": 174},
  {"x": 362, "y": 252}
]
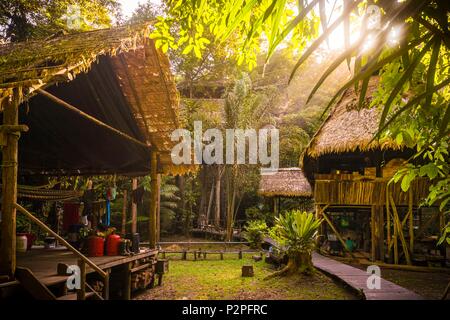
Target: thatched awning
[
  {"x": 287, "y": 182},
  {"x": 115, "y": 75},
  {"x": 348, "y": 129}
]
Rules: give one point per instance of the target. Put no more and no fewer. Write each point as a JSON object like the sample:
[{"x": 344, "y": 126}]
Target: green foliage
[
  {"x": 254, "y": 233},
  {"x": 23, "y": 20},
  {"x": 263, "y": 214},
  {"x": 413, "y": 92},
  {"x": 168, "y": 203},
  {"x": 296, "y": 231}
]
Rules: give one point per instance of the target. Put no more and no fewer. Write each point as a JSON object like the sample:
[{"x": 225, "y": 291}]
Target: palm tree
[{"x": 243, "y": 110}]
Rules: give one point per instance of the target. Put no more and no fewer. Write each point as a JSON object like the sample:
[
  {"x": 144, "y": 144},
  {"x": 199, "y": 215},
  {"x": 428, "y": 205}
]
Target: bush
[
  {"x": 254, "y": 233},
  {"x": 255, "y": 213}
]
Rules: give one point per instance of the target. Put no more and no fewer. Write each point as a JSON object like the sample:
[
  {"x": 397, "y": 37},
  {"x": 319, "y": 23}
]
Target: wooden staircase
[{"x": 42, "y": 291}]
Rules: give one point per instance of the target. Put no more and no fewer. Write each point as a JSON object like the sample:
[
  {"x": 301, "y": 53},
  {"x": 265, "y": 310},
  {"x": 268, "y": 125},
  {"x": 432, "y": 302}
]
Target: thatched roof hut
[
  {"x": 286, "y": 182},
  {"x": 115, "y": 75},
  {"x": 346, "y": 136},
  {"x": 348, "y": 129}
]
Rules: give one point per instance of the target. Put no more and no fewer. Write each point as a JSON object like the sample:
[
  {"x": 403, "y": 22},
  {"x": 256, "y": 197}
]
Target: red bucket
[
  {"x": 112, "y": 245},
  {"x": 96, "y": 246}
]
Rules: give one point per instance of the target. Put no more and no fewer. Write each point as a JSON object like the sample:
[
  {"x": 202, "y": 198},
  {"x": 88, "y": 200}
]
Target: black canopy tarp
[{"x": 60, "y": 141}]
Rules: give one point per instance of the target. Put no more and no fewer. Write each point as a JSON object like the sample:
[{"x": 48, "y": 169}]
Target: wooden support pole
[
  {"x": 134, "y": 185},
  {"x": 321, "y": 227},
  {"x": 400, "y": 231},
  {"x": 126, "y": 287},
  {"x": 81, "y": 293},
  {"x": 124, "y": 213},
  {"x": 9, "y": 187},
  {"x": 373, "y": 241},
  {"x": 89, "y": 117},
  {"x": 158, "y": 210},
  {"x": 388, "y": 223},
  {"x": 106, "y": 285},
  {"x": 380, "y": 232},
  {"x": 154, "y": 199},
  {"x": 411, "y": 220},
  {"x": 395, "y": 243},
  {"x": 275, "y": 207}
]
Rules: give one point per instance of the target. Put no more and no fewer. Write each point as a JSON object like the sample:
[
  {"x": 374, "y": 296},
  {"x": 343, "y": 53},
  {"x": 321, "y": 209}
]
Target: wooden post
[
  {"x": 336, "y": 233},
  {"x": 106, "y": 285},
  {"x": 411, "y": 221},
  {"x": 373, "y": 234},
  {"x": 158, "y": 210},
  {"x": 81, "y": 293},
  {"x": 275, "y": 207},
  {"x": 134, "y": 184},
  {"x": 388, "y": 223},
  {"x": 217, "y": 200},
  {"x": 124, "y": 213},
  {"x": 395, "y": 243},
  {"x": 380, "y": 232},
  {"x": 127, "y": 281},
  {"x": 154, "y": 199},
  {"x": 400, "y": 231},
  {"x": 321, "y": 228},
  {"x": 9, "y": 187}
]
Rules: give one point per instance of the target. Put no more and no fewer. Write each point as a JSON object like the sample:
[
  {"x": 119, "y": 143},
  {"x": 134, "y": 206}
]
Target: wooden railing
[{"x": 83, "y": 260}]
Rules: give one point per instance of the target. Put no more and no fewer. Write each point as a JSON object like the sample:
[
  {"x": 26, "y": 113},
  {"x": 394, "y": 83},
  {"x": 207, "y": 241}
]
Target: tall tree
[{"x": 23, "y": 20}]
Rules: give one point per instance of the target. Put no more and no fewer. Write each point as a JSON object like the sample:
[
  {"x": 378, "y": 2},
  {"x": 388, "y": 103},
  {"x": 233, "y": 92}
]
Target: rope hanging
[{"x": 39, "y": 193}]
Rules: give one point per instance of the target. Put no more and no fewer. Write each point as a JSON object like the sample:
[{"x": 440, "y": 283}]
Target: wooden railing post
[
  {"x": 81, "y": 293},
  {"x": 106, "y": 285},
  {"x": 61, "y": 239},
  {"x": 155, "y": 185}
]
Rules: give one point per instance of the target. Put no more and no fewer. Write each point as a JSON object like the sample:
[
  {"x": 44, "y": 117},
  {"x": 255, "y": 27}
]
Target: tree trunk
[
  {"x": 299, "y": 263},
  {"x": 203, "y": 196},
  {"x": 182, "y": 203},
  {"x": 217, "y": 194}
]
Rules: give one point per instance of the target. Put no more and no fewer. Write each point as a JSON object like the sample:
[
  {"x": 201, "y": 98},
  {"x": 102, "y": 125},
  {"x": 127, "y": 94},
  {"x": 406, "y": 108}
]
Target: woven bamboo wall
[{"x": 366, "y": 192}]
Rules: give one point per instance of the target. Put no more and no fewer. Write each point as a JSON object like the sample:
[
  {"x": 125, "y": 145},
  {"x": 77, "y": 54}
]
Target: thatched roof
[
  {"x": 141, "y": 75},
  {"x": 287, "y": 182},
  {"x": 348, "y": 129}
]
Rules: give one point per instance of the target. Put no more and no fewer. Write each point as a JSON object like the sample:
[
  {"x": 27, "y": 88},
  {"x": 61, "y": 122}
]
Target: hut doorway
[{"x": 352, "y": 226}]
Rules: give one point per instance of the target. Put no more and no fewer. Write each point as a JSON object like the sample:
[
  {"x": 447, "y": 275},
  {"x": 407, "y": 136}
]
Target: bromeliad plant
[{"x": 295, "y": 231}]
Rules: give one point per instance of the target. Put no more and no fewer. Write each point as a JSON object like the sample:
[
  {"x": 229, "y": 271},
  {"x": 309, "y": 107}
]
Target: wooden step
[
  {"x": 73, "y": 296},
  {"x": 30, "y": 283}
]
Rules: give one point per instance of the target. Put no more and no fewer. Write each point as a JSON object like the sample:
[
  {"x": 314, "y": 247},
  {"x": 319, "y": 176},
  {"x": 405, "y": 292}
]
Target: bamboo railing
[{"x": 42, "y": 225}]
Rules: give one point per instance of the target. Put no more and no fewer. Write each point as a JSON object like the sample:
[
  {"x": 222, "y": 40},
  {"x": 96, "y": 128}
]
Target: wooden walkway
[{"x": 357, "y": 279}]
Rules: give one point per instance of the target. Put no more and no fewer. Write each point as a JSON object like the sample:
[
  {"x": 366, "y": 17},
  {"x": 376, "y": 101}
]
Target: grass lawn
[{"x": 221, "y": 279}]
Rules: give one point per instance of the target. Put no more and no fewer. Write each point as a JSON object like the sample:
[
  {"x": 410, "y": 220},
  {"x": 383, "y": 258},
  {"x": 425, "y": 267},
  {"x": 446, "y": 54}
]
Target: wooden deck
[
  {"x": 357, "y": 279},
  {"x": 43, "y": 262}
]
